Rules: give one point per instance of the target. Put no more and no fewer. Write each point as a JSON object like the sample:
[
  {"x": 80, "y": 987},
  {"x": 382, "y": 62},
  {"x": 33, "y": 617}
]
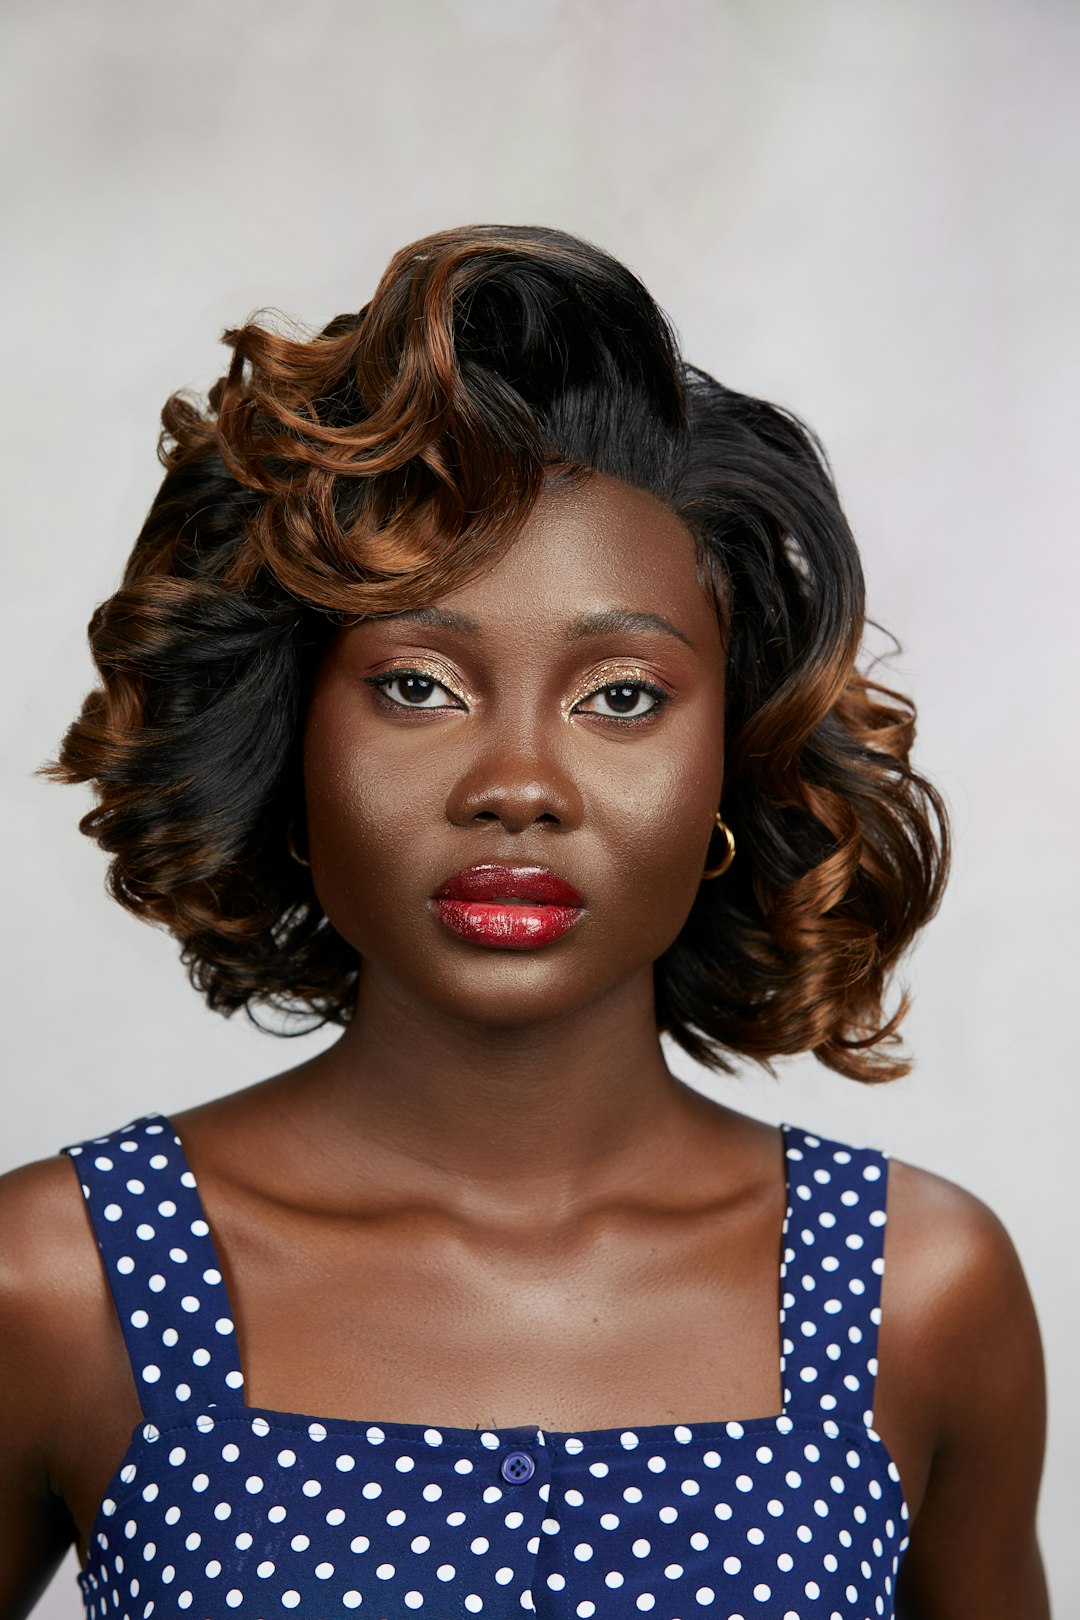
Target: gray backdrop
[{"x": 866, "y": 211}]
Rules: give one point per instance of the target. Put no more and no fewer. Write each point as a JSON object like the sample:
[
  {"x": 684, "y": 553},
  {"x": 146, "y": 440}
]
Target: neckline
[{"x": 455, "y": 1433}]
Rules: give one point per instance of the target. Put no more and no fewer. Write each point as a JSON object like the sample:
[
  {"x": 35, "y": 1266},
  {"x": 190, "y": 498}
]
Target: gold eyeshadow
[
  {"x": 617, "y": 673},
  {"x": 431, "y": 671}
]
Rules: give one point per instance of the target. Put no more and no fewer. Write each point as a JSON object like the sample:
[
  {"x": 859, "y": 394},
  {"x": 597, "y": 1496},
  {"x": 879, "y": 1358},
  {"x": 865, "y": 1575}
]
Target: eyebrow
[
  {"x": 613, "y": 621},
  {"x": 435, "y": 617},
  {"x": 617, "y": 621}
]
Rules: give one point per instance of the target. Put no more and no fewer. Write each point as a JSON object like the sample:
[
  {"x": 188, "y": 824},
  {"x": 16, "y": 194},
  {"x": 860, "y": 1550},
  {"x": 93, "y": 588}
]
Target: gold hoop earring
[
  {"x": 299, "y": 859},
  {"x": 722, "y": 826}
]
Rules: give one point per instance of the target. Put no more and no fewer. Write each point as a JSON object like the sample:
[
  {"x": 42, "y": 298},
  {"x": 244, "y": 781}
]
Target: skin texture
[{"x": 493, "y": 1164}]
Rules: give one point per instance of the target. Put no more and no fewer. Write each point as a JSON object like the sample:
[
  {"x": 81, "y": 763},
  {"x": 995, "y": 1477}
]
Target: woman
[{"x": 484, "y": 682}]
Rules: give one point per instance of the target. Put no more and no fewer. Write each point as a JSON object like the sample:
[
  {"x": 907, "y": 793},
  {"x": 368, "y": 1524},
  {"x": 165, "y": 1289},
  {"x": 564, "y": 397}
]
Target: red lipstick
[{"x": 512, "y": 908}]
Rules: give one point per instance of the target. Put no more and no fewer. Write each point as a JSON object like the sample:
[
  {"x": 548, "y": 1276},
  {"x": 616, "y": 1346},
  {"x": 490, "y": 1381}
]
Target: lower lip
[{"x": 522, "y": 927}]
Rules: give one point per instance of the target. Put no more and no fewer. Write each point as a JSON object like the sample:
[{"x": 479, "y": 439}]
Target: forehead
[{"x": 585, "y": 549}]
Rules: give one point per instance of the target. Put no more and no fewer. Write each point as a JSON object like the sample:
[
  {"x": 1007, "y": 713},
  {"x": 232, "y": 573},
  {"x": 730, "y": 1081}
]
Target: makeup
[
  {"x": 616, "y": 673},
  {"x": 510, "y": 908}
]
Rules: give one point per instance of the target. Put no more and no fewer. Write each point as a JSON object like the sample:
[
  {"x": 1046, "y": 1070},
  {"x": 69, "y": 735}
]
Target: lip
[{"x": 510, "y": 908}]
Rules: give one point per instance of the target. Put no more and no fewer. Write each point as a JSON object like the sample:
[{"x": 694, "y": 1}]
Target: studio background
[{"x": 866, "y": 212}]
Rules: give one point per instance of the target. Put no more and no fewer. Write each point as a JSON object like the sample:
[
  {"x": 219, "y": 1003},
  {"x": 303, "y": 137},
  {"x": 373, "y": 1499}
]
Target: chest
[
  {"x": 634, "y": 1315},
  {"x": 632, "y": 1318}
]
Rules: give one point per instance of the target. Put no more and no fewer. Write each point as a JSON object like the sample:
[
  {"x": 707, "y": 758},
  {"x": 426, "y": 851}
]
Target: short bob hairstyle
[{"x": 383, "y": 461}]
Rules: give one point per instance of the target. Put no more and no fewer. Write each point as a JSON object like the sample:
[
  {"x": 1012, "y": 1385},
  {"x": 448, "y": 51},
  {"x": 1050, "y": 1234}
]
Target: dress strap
[
  {"x": 830, "y": 1278},
  {"x": 162, "y": 1268}
]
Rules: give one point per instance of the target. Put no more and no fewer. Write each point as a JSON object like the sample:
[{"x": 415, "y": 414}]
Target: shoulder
[
  {"x": 47, "y": 1251},
  {"x": 954, "y": 1243},
  {"x": 51, "y": 1297},
  {"x": 954, "y": 1291},
  {"x": 44, "y": 1233}
]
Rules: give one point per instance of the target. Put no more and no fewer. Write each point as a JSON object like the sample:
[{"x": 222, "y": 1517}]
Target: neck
[{"x": 547, "y": 1114}]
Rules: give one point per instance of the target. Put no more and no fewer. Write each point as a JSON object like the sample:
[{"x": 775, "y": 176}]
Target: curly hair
[{"x": 374, "y": 465}]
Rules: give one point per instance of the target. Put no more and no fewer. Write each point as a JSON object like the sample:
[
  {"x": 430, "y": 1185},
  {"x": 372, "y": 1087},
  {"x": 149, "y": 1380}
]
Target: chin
[{"x": 508, "y": 990}]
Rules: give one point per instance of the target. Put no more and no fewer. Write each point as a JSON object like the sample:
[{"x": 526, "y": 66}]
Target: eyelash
[{"x": 382, "y": 682}]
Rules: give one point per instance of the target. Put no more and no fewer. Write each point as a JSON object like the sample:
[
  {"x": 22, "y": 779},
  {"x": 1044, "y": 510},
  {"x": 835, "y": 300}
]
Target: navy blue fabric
[{"x": 218, "y": 1507}]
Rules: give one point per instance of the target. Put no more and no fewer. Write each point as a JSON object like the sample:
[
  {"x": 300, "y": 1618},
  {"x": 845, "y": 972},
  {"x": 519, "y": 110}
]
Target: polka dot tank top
[{"x": 220, "y": 1507}]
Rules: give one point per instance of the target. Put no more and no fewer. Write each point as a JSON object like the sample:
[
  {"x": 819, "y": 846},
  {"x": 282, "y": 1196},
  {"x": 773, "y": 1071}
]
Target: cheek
[
  {"x": 364, "y": 818},
  {"x": 659, "y": 837}
]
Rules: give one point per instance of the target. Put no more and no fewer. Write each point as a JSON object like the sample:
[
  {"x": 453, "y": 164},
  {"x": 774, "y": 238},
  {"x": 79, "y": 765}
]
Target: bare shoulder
[
  {"x": 950, "y": 1247},
  {"x": 962, "y": 1394},
  {"x": 953, "y": 1287},
  {"x": 50, "y": 1284},
  {"x": 45, "y": 1238}
]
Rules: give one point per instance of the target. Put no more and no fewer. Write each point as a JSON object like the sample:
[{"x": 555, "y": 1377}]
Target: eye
[
  {"x": 623, "y": 700},
  {"x": 412, "y": 689}
]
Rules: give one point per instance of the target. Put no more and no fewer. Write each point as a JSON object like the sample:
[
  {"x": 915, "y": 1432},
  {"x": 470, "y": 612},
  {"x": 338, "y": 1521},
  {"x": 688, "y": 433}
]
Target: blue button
[{"x": 517, "y": 1467}]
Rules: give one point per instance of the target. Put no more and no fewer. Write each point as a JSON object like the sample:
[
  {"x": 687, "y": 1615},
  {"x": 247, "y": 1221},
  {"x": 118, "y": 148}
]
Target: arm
[
  {"x": 35, "y": 1337},
  {"x": 980, "y": 1378}
]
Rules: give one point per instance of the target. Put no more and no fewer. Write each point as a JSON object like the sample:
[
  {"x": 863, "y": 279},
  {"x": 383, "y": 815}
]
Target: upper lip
[{"x": 492, "y": 881}]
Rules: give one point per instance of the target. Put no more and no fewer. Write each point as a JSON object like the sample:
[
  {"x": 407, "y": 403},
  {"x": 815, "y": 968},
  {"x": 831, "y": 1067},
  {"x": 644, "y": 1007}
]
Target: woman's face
[{"x": 558, "y": 721}]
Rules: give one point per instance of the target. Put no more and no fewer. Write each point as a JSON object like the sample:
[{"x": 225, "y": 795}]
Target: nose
[{"x": 518, "y": 788}]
